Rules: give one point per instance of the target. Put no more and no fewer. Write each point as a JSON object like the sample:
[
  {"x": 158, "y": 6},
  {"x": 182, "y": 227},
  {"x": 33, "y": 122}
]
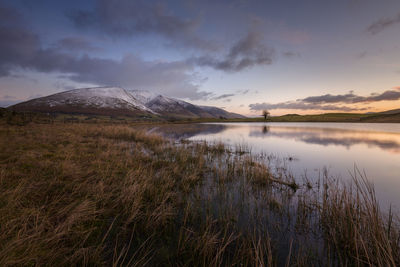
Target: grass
[
  {"x": 326, "y": 117},
  {"x": 108, "y": 194}
]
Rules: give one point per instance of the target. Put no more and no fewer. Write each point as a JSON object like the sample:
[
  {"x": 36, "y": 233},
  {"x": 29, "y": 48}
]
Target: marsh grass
[{"x": 110, "y": 195}]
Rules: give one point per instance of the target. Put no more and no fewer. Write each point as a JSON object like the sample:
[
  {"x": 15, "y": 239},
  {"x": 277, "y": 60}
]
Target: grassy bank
[
  {"x": 107, "y": 194},
  {"x": 328, "y": 117}
]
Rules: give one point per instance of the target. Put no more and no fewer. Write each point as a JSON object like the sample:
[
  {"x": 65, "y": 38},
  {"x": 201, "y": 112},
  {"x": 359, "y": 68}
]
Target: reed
[{"x": 108, "y": 194}]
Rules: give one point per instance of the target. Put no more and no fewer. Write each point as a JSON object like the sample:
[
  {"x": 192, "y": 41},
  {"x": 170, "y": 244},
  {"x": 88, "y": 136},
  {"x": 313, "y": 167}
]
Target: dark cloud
[
  {"x": 20, "y": 48},
  {"x": 127, "y": 18},
  {"x": 17, "y": 45},
  {"x": 300, "y": 106},
  {"x": 222, "y": 96},
  {"x": 328, "y": 98},
  {"x": 388, "y": 95},
  {"x": 173, "y": 78},
  {"x": 382, "y": 24},
  {"x": 330, "y": 102},
  {"x": 76, "y": 44},
  {"x": 245, "y": 53}
]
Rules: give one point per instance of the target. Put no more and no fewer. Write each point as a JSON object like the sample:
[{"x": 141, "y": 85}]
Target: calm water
[{"x": 338, "y": 147}]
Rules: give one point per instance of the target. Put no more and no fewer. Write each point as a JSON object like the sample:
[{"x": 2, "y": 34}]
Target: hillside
[
  {"x": 117, "y": 101},
  {"x": 99, "y": 101}
]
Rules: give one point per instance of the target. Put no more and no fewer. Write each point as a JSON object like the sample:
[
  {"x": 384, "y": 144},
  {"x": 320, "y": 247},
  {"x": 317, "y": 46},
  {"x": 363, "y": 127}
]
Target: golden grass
[{"x": 96, "y": 194}]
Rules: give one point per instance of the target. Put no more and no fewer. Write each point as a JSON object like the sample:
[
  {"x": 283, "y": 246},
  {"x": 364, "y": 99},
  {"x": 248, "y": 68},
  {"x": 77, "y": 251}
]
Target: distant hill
[
  {"x": 390, "y": 116},
  {"x": 118, "y": 101},
  {"x": 393, "y": 111}
]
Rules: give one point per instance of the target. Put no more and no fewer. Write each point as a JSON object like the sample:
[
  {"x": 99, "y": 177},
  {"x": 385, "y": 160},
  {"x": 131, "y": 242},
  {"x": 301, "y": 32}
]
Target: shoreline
[{"x": 109, "y": 194}]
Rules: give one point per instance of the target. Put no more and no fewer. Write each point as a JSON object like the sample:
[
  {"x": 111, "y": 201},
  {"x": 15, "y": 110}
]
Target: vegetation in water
[{"x": 107, "y": 194}]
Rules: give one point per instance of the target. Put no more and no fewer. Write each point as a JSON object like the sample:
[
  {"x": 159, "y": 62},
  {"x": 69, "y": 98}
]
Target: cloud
[
  {"x": 20, "y": 48},
  {"x": 17, "y": 44},
  {"x": 222, "y": 96},
  {"x": 243, "y": 92},
  {"x": 173, "y": 78},
  {"x": 382, "y": 24},
  {"x": 76, "y": 44},
  {"x": 388, "y": 95},
  {"x": 330, "y": 102},
  {"x": 300, "y": 106},
  {"x": 127, "y": 18},
  {"x": 245, "y": 53}
]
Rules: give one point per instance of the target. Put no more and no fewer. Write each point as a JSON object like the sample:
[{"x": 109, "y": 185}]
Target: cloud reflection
[{"x": 329, "y": 136}]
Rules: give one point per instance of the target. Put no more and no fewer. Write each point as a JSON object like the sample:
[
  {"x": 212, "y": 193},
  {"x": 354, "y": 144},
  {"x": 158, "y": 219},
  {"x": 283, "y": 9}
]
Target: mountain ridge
[{"x": 119, "y": 101}]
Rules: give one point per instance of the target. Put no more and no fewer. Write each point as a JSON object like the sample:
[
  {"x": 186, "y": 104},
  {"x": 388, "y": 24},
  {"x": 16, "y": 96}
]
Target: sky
[{"x": 286, "y": 56}]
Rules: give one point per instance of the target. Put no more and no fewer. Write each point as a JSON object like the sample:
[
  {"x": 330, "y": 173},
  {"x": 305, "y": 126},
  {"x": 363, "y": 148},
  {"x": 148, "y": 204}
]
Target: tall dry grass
[{"x": 95, "y": 194}]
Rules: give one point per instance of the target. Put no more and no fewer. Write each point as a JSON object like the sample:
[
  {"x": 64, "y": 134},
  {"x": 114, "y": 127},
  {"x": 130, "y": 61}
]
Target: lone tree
[{"x": 265, "y": 114}]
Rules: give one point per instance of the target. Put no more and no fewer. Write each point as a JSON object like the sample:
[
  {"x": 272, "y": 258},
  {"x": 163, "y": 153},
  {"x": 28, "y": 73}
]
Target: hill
[{"x": 117, "y": 101}]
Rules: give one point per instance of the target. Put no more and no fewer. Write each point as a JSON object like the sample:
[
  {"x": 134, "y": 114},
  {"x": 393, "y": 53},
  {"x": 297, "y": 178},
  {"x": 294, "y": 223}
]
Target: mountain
[
  {"x": 99, "y": 101},
  {"x": 118, "y": 101},
  {"x": 219, "y": 112},
  {"x": 143, "y": 96},
  {"x": 172, "y": 107}
]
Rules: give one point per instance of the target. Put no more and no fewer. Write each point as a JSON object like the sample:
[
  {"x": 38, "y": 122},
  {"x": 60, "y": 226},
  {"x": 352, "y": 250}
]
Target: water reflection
[
  {"x": 186, "y": 131},
  {"x": 324, "y": 136},
  {"x": 330, "y": 136},
  {"x": 373, "y": 148}
]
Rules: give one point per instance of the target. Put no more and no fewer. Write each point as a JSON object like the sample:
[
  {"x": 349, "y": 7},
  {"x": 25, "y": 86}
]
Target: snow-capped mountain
[
  {"x": 175, "y": 108},
  {"x": 143, "y": 96},
  {"x": 99, "y": 100},
  {"x": 118, "y": 101},
  {"x": 172, "y": 107}
]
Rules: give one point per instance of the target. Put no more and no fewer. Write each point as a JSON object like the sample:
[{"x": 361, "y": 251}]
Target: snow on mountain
[
  {"x": 219, "y": 112},
  {"x": 143, "y": 96},
  {"x": 172, "y": 107},
  {"x": 88, "y": 100},
  {"x": 118, "y": 101}
]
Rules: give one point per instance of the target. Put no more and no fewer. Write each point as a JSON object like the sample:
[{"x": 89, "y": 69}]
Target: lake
[{"x": 308, "y": 148}]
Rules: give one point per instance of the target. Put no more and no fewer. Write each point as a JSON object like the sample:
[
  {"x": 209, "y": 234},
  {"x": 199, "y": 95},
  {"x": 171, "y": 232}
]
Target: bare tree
[{"x": 265, "y": 114}]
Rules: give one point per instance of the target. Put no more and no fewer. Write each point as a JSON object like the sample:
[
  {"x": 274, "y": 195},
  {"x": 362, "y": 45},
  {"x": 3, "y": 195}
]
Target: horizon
[{"x": 242, "y": 56}]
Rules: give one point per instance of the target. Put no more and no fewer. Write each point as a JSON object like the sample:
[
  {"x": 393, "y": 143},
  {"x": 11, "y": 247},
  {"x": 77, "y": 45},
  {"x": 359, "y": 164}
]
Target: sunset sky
[{"x": 285, "y": 56}]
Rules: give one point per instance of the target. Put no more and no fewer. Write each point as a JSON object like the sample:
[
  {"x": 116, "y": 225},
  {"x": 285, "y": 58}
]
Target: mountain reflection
[
  {"x": 185, "y": 131},
  {"x": 331, "y": 136}
]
